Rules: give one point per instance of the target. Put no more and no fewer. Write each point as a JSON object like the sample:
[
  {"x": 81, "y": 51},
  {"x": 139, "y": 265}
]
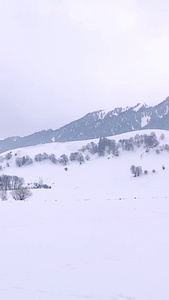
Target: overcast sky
[{"x": 60, "y": 59}]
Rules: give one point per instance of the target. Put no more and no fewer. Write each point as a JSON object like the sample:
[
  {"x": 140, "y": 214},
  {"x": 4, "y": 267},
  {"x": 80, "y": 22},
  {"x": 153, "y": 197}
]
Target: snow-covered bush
[{"x": 136, "y": 171}]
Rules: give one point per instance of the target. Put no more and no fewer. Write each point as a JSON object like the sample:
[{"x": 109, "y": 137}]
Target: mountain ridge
[{"x": 98, "y": 124}]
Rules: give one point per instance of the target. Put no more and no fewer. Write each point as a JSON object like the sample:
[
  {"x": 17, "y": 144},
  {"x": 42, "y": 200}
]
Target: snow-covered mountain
[
  {"x": 98, "y": 233},
  {"x": 98, "y": 124}
]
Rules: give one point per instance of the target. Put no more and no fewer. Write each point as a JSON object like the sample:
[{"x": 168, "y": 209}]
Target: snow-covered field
[{"x": 98, "y": 234}]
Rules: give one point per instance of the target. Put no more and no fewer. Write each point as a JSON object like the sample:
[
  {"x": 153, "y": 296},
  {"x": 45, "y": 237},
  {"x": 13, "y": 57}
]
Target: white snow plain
[{"x": 98, "y": 234}]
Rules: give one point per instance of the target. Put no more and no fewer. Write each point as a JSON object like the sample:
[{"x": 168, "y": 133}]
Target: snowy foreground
[{"x": 98, "y": 234}]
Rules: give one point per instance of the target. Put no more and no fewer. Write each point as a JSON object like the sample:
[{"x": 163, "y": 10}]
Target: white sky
[{"x": 60, "y": 59}]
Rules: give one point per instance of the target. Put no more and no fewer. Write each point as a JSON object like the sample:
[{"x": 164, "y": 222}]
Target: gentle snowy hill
[
  {"x": 99, "y": 233},
  {"x": 110, "y": 172}
]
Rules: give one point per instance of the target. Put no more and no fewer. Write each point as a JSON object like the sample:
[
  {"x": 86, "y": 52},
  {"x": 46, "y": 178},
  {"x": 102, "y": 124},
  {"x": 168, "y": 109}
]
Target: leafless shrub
[{"x": 21, "y": 194}]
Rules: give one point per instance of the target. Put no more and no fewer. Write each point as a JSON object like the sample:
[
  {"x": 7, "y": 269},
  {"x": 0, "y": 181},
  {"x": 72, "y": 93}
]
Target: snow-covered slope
[
  {"x": 106, "y": 175},
  {"x": 98, "y": 233}
]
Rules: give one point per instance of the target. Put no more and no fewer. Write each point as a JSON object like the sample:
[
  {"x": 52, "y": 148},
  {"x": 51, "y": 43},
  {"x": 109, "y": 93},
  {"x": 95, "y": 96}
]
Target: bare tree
[
  {"x": 24, "y": 160},
  {"x": 53, "y": 158},
  {"x": 63, "y": 159},
  {"x": 81, "y": 158},
  {"x": 3, "y": 195},
  {"x": 8, "y": 182},
  {"x": 21, "y": 194},
  {"x": 136, "y": 171},
  {"x": 133, "y": 170}
]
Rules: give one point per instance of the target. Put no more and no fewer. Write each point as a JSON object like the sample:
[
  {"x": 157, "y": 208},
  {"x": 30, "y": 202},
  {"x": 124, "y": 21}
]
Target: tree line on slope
[
  {"x": 105, "y": 146},
  {"x": 137, "y": 170}
]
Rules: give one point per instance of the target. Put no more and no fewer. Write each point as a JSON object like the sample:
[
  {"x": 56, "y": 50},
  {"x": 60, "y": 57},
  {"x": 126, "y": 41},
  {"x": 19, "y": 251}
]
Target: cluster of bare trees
[
  {"x": 8, "y": 182},
  {"x": 24, "y": 161},
  {"x": 110, "y": 146},
  {"x": 105, "y": 146},
  {"x": 63, "y": 159},
  {"x": 137, "y": 170},
  {"x": 14, "y": 184}
]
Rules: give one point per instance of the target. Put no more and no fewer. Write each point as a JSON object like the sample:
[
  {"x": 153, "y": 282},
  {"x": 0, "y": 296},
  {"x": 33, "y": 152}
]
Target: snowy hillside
[
  {"x": 99, "y": 233},
  {"x": 105, "y": 174}
]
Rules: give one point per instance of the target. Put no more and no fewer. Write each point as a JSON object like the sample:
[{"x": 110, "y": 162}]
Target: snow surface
[
  {"x": 98, "y": 234},
  {"x": 145, "y": 120},
  {"x": 101, "y": 114},
  {"x": 164, "y": 113},
  {"x": 138, "y": 106}
]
